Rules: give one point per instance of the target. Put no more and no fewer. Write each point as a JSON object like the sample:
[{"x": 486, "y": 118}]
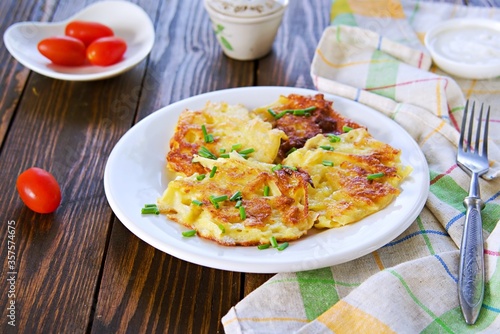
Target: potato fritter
[{"x": 318, "y": 117}]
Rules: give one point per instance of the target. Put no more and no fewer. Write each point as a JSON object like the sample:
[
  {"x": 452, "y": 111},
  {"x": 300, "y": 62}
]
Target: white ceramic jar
[{"x": 246, "y": 29}]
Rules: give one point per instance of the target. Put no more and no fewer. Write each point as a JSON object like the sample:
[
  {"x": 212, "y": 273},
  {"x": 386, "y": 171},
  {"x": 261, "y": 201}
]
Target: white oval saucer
[{"x": 127, "y": 20}]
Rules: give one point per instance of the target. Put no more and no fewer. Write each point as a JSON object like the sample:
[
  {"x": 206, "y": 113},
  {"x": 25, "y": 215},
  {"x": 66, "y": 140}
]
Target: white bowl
[
  {"x": 246, "y": 37},
  {"x": 466, "y": 48},
  {"x": 127, "y": 20}
]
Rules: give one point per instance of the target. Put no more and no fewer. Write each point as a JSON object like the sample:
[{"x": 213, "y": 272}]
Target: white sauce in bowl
[{"x": 475, "y": 45}]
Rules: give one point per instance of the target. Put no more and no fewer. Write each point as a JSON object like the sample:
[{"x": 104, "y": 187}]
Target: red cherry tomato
[
  {"x": 87, "y": 32},
  {"x": 63, "y": 50},
  {"x": 39, "y": 190},
  {"x": 106, "y": 51}
]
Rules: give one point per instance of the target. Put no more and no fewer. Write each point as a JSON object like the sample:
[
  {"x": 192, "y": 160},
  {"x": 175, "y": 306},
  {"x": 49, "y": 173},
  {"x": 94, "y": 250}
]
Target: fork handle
[{"x": 471, "y": 270}]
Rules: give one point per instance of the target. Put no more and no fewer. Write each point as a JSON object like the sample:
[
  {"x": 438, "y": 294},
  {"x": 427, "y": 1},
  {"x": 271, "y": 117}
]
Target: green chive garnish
[
  {"x": 218, "y": 199},
  {"x": 273, "y": 241},
  {"x": 212, "y": 172},
  {"x": 224, "y": 155},
  {"x": 375, "y": 176},
  {"x": 150, "y": 209},
  {"x": 200, "y": 177},
  {"x": 327, "y": 148},
  {"x": 222, "y": 150},
  {"x": 290, "y": 167},
  {"x": 293, "y": 149},
  {"x": 215, "y": 200},
  {"x": 189, "y": 233},
  {"x": 205, "y": 152},
  {"x": 236, "y": 147},
  {"x": 304, "y": 112},
  {"x": 296, "y": 112},
  {"x": 247, "y": 151},
  {"x": 333, "y": 138},
  {"x": 208, "y": 138},
  {"x": 236, "y": 196},
  {"x": 277, "y": 167},
  {"x": 196, "y": 202},
  {"x": 282, "y": 246},
  {"x": 243, "y": 214},
  {"x": 266, "y": 191},
  {"x": 346, "y": 128},
  {"x": 238, "y": 204},
  {"x": 327, "y": 163},
  {"x": 222, "y": 228},
  {"x": 264, "y": 246}
]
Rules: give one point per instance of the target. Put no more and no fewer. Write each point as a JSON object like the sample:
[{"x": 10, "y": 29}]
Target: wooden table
[{"x": 79, "y": 270}]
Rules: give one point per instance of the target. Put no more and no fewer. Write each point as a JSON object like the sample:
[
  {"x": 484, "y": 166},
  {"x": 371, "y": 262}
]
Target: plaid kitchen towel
[{"x": 373, "y": 53}]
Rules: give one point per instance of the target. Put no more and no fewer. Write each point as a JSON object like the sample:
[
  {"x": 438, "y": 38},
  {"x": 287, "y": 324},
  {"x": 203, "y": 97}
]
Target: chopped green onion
[
  {"x": 238, "y": 204},
  {"x": 304, "y": 112},
  {"x": 271, "y": 112},
  {"x": 205, "y": 153},
  {"x": 243, "y": 214},
  {"x": 375, "y": 176},
  {"x": 273, "y": 241},
  {"x": 222, "y": 150},
  {"x": 297, "y": 112},
  {"x": 333, "y": 138},
  {"x": 215, "y": 200},
  {"x": 346, "y": 128},
  {"x": 150, "y": 209},
  {"x": 264, "y": 246},
  {"x": 290, "y": 167},
  {"x": 208, "y": 138},
  {"x": 266, "y": 191},
  {"x": 200, "y": 177},
  {"x": 236, "y": 147},
  {"x": 215, "y": 204},
  {"x": 327, "y": 163},
  {"x": 277, "y": 167},
  {"x": 282, "y": 246},
  {"x": 212, "y": 172},
  {"x": 236, "y": 196},
  {"x": 196, "y": 202},
  {"x": 222, "y": 228},
  {"x": 224, "y": 155},
  {"x": 218, "y": 199},
  {"x": 246, "y": 151},
  {"x": 281, "y": 114},
  {"x": 189, "y": 233},
  {"x": 327, "y": 148},
  {"x": 293, "y": 149}
]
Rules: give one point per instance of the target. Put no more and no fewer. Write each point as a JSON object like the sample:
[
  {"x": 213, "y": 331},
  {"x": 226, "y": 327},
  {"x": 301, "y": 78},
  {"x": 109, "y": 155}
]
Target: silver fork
[{"x": 474, "y": 161}]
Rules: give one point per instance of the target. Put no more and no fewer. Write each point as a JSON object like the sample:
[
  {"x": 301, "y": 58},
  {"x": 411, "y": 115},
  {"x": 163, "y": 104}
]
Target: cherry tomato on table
[
  {"x": 63, "y": 50},
  {"x": 87, "y": 31},
  {"x": 39, "y": 190},
  {"x": 106, "y": 51}
]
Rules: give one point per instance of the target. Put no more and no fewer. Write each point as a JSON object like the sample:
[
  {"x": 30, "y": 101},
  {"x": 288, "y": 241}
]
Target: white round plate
[
  {"x": 136, "y": 174},
  {"x": 127, "y": 20}
]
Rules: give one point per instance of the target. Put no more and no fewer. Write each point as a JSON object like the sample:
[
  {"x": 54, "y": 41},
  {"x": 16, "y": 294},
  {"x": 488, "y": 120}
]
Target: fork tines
[{"x": 466, "y": 146}]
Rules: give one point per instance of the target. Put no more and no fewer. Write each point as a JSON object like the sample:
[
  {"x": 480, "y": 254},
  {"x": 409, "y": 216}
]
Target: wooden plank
[
  {"x": 143, "y": 289},
  {"x": 13, "y": 74},
  {"x": 59, "y": 256}
]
